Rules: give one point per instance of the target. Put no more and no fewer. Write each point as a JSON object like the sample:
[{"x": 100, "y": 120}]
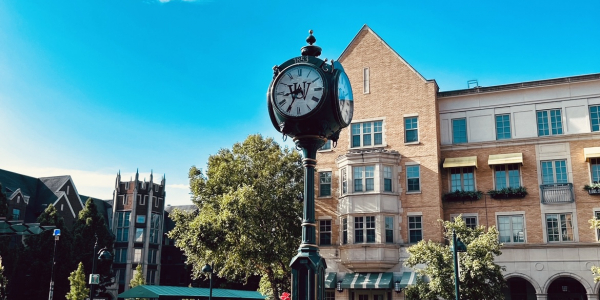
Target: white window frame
[
  {"x": 597, "y": 117},
  {"x": 141, "y": 200},
  {"x": 553, "y": 164},
  {"x": 154, "y": 201},
  {"x": 384, "y": 178},
  {"x": 411, "y": 129},
  {"x": 344, "y": 228},
  {"x": 591, "y": 167},
  {"x": 127, "y": 185},
  {"x": 560, "y": 235},
  {"x": 548, "y": 120},
  {"x": 137, "y": 219},
  {"x": 126, "y": 218},
  {"x": 466, "y": 131},
  {"x": 409, "y": 230},
  {"x": 507, "y": 175},
  {"x": 418, "y": 178},
  {"x": 325, "y": 183},
  {"x": 344, "y": 181},
  {"x": 386, "y": 229},
  {"x": 462, "y": 179},
  {"x": 155, "y": 225},
  {"x": 513, "y": 214},
  {"x": 323, "y": 230},
  {"x": 326, "y": 147},
  {"x": 596, "y": 214},
  {"x": 465, "y": 216},
  {"x": 362, "y": 134},
  {"x": 137, "y": 255},
  {"x": 509, "y": 126},
  {"x": 363, "y": 178}
]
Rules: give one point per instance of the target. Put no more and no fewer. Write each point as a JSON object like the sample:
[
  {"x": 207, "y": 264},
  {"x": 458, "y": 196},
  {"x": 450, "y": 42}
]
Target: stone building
[
  {"x": 381, "y": 189},
  {"x": 137, "y": 222}
]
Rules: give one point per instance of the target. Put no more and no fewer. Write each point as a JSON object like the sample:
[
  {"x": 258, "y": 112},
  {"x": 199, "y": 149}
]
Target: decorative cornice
[
  {"x": 369, "y": 152},
  {"x": 523, "y": 141}
]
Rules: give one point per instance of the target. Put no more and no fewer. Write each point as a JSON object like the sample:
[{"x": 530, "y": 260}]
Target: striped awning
[
  {"x": 368, "y": 281},
  {"x": 330, "y": 280},
  {"x": 408, "y": 278},
  {"x": 593, "y": 152},
  {"x": 454, "y": 162},
  {"x": 504, "y": 159}
]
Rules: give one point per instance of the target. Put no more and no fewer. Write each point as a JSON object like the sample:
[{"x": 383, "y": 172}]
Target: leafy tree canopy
[
  {"x": 78, "y": 291},
  {"x": 138, "y": 277},
  {"x": 90, "y": 224},
  {"x": 247, "y": 222},
  {"x": 480, "y": 277}
]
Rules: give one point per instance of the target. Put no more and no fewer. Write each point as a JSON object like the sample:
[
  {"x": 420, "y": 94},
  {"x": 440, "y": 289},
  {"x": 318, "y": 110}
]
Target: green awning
[
  {"x": 408, "y": 278},
  {"x": 330, "y": 280},
  {"x": 162, "y": 292},
  {"x": 367, "y": 281}
]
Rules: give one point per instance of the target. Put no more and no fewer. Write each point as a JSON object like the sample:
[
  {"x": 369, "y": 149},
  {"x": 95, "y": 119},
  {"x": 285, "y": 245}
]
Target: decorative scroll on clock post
[{"x": 309, "y": 100}]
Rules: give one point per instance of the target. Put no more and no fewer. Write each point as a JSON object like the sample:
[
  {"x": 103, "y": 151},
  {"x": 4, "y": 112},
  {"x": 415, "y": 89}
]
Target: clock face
[
  {"x": 298, "y": 90},
  {"x": 345, "y": 98}
]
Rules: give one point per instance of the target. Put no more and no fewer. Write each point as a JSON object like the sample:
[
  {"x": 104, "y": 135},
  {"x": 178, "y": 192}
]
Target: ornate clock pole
[{"x": 311, "y": 101}]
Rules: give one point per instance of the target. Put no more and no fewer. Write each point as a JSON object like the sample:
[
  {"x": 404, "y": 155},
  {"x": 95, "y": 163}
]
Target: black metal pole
[
  {"x": 51, "y": 295},
  {"x": 211, "y": 276},
  {"x": 93, "y": 267},
  {"x": 455, "y": 255}
]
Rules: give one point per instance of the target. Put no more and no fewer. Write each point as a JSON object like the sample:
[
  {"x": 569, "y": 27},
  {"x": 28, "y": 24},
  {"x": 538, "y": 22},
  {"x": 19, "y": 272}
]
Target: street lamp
[
  {"x": 457, "y": 246},
  {"x": 208, "y": 269},
  {"x": 103, "y": 255},
  {"x": 56, "y": 235}
]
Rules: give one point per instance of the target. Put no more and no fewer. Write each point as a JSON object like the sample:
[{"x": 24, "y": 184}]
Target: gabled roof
[
  {"x": 355, "y": 41},
  {"x": 157, "y": 291}
]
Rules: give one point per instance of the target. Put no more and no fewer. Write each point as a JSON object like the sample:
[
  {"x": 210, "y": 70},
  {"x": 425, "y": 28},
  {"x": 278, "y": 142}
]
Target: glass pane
[
  {"x": 378, "y": 139},
  {"x": 500, "y": 177},
  {"x": 513, "y": 176},
  {"x": 595, "y": 168},
  {"x": 455, "y": 180},
  {"x": 366, "y": 134},
  {"x": 556, "y": 120},
  {"x": 547, "y": 172},
  {"x": 459, "y": 131},
  {"x": 595, "y": 118},
  {"x": 355, "y": 135},
  {"x": 468, "y": 179},
  {"x": 552, "y": 227},
  {"x": 502, "y": 127},
  {"x": 139, "y": 234},
  {"x": 369, "y": 175},
  {"x": 566, "y": 225},
  {"x": 358, "y": 174},
  {"x": 517, "y": 229},
  {"x": 504, "y": 229},
  {"x": 561, "y": 171},
  {"x": 542, "y": 120}
]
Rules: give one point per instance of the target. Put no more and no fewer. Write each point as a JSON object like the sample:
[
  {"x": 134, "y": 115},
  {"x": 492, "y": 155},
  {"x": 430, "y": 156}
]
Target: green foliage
[
  {"x": 459, "y": 195},
  {"x": 3, "y": 282},
  {"x": 3, "y": 204},
  {"x": 508, "y": 193},
  {"x": 480, "y": 277},
  {"x": 593, "y": 186},
  {"x": 34, "y": 265},
  {"x": 595, "y": 224},
  {"x": 247, "y": 222},
  {"x": 138, "y": 277},
  {"x": 78, "y": 291},
  {"x": 89, "y": 224}
]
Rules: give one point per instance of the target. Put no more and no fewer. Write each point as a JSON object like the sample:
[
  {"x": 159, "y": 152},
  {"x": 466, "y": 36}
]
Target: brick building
[{"x": 381, "y": 189}]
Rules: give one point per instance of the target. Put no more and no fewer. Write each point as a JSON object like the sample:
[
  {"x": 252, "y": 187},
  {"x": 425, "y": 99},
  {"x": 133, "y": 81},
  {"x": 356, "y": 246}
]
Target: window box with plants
[
  {"x": 462, "y": 196},
  {"x": 592, "y": 189},
  {"x": 508, "y": 193}
]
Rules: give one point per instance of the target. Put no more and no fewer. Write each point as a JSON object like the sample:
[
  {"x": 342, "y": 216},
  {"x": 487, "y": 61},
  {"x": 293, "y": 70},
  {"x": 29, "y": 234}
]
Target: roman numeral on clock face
[
  {"x": 315, "y": 99},
  {"x": 289, "y": 75},
  {"x": 299, "y": 72},
  {"x": 282, "y": 102}
]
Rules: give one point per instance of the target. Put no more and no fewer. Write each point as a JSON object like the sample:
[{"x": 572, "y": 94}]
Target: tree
[
  {"x": 35, "y": 266},
  {"x": 248, "y": 221},
  {"x": 138, "y": 277},
  {"x": 595, "y": 224},
  {"x": 78, "y": 291},
  {"x": 3, "y": 282},
  {"x": 480, "y": 277},
  {"x": 90, "y": 223}
]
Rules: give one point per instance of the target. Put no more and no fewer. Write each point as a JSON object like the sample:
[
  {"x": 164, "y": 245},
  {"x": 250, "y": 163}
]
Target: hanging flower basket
[
  {"x": 593, "y": 189},
  {"x": 508, "y": 193},
  {"x": 462, "y": 196}
]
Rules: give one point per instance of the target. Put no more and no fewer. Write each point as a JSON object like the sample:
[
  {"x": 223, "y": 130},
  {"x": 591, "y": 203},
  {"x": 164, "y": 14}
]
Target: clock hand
[{"x": 293, "y": 99}]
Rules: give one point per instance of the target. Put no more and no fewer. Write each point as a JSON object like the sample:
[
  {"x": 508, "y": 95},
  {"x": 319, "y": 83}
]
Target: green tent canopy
[{"x": 178, "y": 292}]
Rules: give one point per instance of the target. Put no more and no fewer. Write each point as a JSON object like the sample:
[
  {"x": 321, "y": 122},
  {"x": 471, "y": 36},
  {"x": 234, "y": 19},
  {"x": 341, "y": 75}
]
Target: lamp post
[
  {"x": 56, "y": 235},
  {"x": 457, "y": 246},
  {"x": 209, "y": 269},
  {"x": 105, "y": 256}
]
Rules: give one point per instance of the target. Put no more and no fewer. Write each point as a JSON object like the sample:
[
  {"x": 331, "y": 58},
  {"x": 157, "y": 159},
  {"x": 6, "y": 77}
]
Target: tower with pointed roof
[{"x": 138, "y": 213}]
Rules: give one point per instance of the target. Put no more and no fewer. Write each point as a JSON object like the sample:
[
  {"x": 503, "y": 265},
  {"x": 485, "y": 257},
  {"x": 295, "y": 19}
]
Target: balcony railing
[{"x": 557, "y": 193}]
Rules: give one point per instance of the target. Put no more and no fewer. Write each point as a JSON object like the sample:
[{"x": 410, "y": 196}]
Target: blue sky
[{"x": 88, "y": 88}]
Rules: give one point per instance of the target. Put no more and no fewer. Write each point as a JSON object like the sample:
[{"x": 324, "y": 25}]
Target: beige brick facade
[{"x": 388, "y": 90}]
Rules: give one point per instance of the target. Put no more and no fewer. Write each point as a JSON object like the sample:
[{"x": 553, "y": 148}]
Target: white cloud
[{"x": 179, "y": 186}]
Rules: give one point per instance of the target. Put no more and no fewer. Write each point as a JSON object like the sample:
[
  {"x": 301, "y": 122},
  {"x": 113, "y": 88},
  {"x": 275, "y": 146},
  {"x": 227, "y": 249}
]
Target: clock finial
[{"x": 311, "y": 50}]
